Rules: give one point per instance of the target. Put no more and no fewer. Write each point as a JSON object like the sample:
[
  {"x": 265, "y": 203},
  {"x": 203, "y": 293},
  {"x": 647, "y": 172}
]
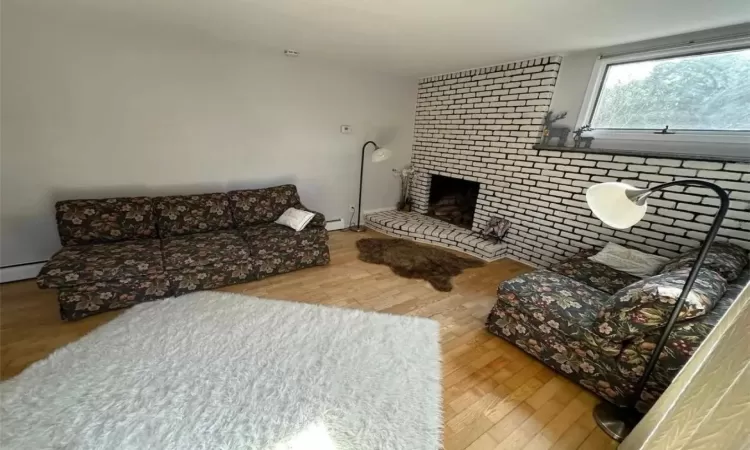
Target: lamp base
[
  {"x": 616, "y": 421},
  {"x": 357, "y": 229}
]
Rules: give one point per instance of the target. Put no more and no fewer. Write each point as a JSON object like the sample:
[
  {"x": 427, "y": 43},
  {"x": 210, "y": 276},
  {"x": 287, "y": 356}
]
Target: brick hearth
[{"x": 426, "y": 229}]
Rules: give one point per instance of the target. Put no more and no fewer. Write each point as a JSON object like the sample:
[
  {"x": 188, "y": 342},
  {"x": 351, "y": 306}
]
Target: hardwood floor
[{"x": 495, "y": 396}]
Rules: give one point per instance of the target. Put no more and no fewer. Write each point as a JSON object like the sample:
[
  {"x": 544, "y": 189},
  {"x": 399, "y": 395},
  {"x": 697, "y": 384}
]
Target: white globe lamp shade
[
  {"x": 381, "y": 154},
  {"x": 609, "y": 202}
]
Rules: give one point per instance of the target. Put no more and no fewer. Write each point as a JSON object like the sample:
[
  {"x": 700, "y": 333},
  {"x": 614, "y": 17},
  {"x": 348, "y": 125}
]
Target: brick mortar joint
[{"x": 489, "y": 69}]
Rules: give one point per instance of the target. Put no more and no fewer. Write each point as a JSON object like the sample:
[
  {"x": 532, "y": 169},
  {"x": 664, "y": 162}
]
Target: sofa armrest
[
  {"x": 683, "y": 341},
  {"x": 634, "y": 357},
  {"x": 318, "y": 221}
]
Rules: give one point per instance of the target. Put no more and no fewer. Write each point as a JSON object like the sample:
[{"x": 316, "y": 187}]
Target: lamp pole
[
  {"x": 617, "y": 421},
  {"x": 360, "y": 228}
]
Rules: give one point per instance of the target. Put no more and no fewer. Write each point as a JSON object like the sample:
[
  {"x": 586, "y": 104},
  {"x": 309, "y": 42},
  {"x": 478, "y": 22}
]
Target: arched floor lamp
[
  {"x": 379, "y": 155},
  {"x": 621, "y": 206}
]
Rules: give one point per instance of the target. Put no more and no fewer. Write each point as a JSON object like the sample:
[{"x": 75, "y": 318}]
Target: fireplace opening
[{"x": 453, "y": 200}]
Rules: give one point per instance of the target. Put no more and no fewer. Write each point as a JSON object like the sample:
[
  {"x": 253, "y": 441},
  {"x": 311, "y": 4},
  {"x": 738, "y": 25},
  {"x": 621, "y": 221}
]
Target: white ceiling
[{"x": 425, "y": 37}]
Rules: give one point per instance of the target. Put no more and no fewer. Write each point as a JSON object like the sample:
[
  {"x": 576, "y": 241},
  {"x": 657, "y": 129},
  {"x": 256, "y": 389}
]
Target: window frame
[{"x": 681, "y": 136}]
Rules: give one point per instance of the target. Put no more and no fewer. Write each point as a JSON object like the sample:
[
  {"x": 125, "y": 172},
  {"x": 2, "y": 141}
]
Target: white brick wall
[{"x": 482, "y": 125}]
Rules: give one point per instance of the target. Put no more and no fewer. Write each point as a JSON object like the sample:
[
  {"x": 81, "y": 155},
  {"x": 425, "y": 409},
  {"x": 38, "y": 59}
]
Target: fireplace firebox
[{"x": 453, "y": 200}]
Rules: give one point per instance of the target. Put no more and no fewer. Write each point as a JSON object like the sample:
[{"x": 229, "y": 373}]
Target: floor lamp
[
  {"x": 621, "y": 206},
  {"x": 379, "y": 155}
]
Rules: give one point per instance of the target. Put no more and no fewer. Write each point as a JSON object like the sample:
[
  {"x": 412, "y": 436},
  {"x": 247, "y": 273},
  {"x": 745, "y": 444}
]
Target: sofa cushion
[
  {"x": 594, "y": 274},
  {"x": 735, "y": 288},
  {"x": 296, "y": 219},
  {"x": 724, "y": 258},
  {"x": 629, "y": 260},
  {"x": 684, "y": 340},
  {"x": 288, "y": 259},
  {"x": 190, "y": 214},
  {"x": 554, "y": 302},
  {"x": 318, "y": 220},
  {"x": 257, "y": 206},
  {"x": 646, "y": 305},
  {"x": 195, "y": 250},
  {"x": 270, "y": 238},
  {"x": 82, "y": 264},
  {"x": 100, "y": 221},
  {"x": 222, "y": 273},
  {"x": 85, "y": 300}
]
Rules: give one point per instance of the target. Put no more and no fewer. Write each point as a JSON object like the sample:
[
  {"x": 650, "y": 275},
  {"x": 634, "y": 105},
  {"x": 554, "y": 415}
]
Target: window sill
[
  {"x": 742, "y": 154},
  {"x": 678, "y": 138}
]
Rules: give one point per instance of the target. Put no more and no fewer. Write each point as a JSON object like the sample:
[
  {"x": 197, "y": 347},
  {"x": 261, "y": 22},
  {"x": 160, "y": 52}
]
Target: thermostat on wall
[{"x": 346, "y": 129}]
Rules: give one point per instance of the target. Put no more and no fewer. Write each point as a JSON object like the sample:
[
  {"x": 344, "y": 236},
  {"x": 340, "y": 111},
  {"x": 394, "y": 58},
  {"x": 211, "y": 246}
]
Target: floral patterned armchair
[
  {"x": 121, "y": 251},
  {"x": 598, "y": 326}
]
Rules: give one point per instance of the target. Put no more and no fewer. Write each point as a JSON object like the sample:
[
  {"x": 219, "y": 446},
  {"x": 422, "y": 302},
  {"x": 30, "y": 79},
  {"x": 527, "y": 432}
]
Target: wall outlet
[
  {"x": 346, "y": 129},
  {"x": 352, "y": 208}
]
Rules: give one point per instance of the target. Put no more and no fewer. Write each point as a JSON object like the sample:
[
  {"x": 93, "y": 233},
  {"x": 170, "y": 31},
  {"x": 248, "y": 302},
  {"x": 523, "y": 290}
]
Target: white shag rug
[{"x": 214, "y": 370}]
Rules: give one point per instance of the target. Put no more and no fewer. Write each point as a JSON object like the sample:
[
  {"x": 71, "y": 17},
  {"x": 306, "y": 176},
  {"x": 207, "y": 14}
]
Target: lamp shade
[
  {"x": 609, "y": 202},
  {"x": 381, "y": 154}
]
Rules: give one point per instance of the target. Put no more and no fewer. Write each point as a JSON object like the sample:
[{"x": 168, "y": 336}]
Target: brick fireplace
[
  {"x": 469, "y": 125},
  {"x": 453, "y": 200},
  {"x": 483, "y": 126}
]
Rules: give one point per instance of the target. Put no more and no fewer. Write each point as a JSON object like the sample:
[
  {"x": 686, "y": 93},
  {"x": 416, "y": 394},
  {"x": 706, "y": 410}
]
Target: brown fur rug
[{"x": 411, "y": 260}]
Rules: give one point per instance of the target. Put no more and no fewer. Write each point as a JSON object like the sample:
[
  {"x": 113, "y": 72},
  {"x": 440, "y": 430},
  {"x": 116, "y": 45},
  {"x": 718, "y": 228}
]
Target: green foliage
[{"x": 709, "y": 92}]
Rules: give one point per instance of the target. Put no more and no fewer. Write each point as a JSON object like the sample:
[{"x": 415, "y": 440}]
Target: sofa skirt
[{"x": 78, "y": 302}]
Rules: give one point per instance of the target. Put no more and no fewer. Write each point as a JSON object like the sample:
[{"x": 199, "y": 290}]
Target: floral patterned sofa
[
  {"x": 121, "y": 251},
  {"x": 579, "y": 318}
]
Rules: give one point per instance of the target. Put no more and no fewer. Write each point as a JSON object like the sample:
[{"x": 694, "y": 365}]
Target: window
[{"x": 701, "y": 93}]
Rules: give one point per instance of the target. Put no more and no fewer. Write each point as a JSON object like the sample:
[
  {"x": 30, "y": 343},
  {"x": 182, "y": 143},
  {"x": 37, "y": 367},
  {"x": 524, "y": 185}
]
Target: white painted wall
[
  {"x": 96, "y": 107},
  {"x": 575, "y": 73}
]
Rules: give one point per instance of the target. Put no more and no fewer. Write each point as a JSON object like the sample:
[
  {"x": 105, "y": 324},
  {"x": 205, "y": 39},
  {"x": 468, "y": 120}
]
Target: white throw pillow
[
  {"x": 296, "y": 219},
  {"x": 628, "y": 260}
]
